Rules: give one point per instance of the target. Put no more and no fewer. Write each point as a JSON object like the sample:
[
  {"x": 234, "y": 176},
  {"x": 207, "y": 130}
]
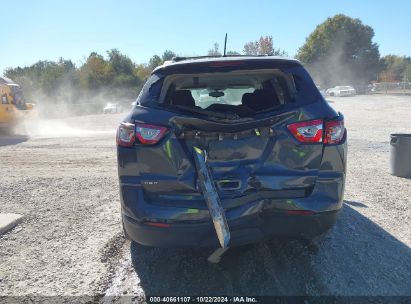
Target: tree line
[{"x": 339, "y": 51}]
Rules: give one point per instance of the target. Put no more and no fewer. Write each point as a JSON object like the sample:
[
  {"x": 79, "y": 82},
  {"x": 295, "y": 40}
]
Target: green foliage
[
  {"x": 116, "y": 74},
  {"x": 407, "y": 73},
  {"x": 119, "y": 63},
  {"x": 45, "y": 76},
  {"x": 142, "y": 71},
  {"x": 340, "y": 51},
  {"x": 95, "y": 73},
  {"x": 398, "y": 67},
  {"x": 263, "y": 46},
  {"x": 168, "y": 55},
  {"x": 154, "y": 62},
  {"x": 121, "y": 69}
]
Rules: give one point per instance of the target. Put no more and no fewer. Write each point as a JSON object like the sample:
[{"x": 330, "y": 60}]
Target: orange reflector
[
  {"x": 154, "y": 224},
  {"x": 299, "y": 212}
]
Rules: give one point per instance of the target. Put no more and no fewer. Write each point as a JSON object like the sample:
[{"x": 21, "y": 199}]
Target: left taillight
[
  {"x": 126, "y": 134},
  {"x": 149, "y": 134}
]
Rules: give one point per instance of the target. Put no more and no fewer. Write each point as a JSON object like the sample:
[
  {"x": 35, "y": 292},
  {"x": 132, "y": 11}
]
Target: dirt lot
[{"x": 63, "y": 178}]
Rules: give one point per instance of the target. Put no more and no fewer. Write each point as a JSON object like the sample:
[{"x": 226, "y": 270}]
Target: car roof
[{"x": 182, "y": 61}]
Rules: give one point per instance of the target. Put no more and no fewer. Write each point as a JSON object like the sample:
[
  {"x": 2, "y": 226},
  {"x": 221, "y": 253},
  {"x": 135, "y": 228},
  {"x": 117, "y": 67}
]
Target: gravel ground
[{"x": 63, "y": 178}]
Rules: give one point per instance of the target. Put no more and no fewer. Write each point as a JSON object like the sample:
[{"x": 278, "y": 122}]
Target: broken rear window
[{"x": 244, "y": 92}]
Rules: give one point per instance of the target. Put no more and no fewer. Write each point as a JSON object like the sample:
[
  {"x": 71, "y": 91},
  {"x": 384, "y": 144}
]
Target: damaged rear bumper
[
  {"x": 244, "y": 230},
  {"x": 249, "y": 222},
  {"x": 250, "y": 218}
]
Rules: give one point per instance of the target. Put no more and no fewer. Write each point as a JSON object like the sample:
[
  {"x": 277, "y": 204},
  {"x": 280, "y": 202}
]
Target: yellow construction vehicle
[{"x": 13, "y": 106}]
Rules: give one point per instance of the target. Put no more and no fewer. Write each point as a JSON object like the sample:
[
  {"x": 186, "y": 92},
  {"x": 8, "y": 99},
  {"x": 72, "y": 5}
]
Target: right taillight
[
  {"x": 329, "y": 132},
  {"x": 334, "y": 131},
  {"x": 307, "y": 131}
]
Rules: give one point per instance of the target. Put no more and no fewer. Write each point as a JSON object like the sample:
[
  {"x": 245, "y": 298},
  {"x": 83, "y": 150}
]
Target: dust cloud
[
  {"x": 67, "y": 114},
  {"x": 52, "y": 128},
  {"x": 339, "y": 67}
]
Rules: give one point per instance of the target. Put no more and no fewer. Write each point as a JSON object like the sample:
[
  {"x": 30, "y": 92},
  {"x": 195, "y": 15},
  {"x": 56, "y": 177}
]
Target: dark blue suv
[{"x": 226, "y": 151}]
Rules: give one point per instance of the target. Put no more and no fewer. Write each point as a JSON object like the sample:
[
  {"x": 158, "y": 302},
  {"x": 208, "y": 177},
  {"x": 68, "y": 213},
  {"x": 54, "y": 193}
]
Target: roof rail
[{"x": 181, "y": 58}]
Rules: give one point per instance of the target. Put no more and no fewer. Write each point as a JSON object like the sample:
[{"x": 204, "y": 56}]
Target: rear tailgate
[{"x": 248, "y": 161}]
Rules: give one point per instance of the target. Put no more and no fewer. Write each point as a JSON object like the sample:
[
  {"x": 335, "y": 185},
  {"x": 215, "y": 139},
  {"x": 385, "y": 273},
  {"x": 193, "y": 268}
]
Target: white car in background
[
  {"x": 111, "y": 108},
  {"x": 341, "y": 91}
]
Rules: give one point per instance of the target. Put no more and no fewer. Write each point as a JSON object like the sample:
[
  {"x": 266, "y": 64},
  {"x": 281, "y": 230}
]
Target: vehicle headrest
[
  {"x": 246, "y": 99},
  {"x": 183, "y": 98},
  {"x": 259, "y": 100}
]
